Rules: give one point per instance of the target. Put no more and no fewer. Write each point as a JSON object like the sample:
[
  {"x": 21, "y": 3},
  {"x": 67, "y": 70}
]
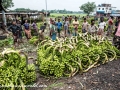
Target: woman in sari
[{"x": 27, "y": 29}]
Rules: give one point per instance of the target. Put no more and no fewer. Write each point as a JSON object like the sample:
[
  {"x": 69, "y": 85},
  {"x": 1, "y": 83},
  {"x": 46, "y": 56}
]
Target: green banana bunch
[
  {"x": 33, "y": 40},
  {"x": 15, "y": 70},
  {"x": 75, "y": 54}
]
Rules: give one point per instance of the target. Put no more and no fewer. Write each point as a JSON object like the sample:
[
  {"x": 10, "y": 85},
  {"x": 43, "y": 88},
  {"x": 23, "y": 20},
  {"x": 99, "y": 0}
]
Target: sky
[{"x": 72, "y": 5}]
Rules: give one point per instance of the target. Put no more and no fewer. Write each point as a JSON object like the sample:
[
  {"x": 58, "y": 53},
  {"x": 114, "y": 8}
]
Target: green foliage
[
  {"x": 88, "y": 7},
  {"x": 7, "y": 3},
  {"x": 21, "y": 9}
]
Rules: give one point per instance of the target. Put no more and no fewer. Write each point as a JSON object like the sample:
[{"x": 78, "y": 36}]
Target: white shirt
[
  {"x": 102, "y": 25},
  {"x": 84, "y": 25}
]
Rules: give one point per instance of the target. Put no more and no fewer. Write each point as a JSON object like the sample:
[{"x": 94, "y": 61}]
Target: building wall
[{"x": 104, "y": 9}]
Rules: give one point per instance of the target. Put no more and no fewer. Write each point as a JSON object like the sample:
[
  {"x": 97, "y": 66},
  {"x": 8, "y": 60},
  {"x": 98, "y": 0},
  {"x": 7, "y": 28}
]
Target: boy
[
  {"x": 15, "y": 32},
  {"x": 59, "y": 25},
  {"x": 102, "y": 27}
]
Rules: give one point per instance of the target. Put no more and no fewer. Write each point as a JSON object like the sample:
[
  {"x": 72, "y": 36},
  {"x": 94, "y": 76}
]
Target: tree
[
  {"x": 7, "y": 3},
  {"x": 88, "y": 7},
  {"x": 43, "y": 10},
  {"x": 22, "y": 9}
]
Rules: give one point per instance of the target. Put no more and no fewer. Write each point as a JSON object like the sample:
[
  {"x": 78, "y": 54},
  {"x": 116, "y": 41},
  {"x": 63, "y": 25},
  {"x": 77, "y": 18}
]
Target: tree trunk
[
  {"x": 4, "y": 25},
  {"x": 4, "y": 17}
]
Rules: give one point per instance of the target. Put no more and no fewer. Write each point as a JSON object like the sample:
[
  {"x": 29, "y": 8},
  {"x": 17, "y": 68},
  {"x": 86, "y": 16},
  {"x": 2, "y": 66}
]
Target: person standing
[
  {"x": 41, "y": 32},
  {"x": 92, "y": 28},
  {"x": 34, "y": 25},
  {"x": 102, "y": 27},
  {"x": 110, "y": 26},
  {"x": 50, "y": 25},
  {"x": 63, "y": 18},
  {"x": 116, "y": 25},
  {"x": 116, "y": 28},
  {"x": 66, "y": 27},
  {"x": 70, "y": 19},
  {"x": 59, "y": 26},
  {"x": 53, "y": 31},
  {"x": 20, "y": 30},
  {"x": 84, "y": 26},
  {"x": 15, "y": 32},
  {"x": 27, "y": 29},
  {"x": 75, "y": 26},
  {"x": 55, "y": 21},
  {"x": 118, "y": 31},
  {"x": 49, "y": 22}
]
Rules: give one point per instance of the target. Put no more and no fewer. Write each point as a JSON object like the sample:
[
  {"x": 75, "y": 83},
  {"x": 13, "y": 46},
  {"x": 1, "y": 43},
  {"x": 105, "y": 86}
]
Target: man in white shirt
[{"x": 102, "y": 26}]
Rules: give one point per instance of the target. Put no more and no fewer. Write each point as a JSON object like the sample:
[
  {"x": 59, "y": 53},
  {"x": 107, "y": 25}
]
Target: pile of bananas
[
  {"x": 14, "y": 69},
  {"x": 6, "y": 42},
  {"x": 69, "y": 56},
  {"x": 33, "y": 40}
]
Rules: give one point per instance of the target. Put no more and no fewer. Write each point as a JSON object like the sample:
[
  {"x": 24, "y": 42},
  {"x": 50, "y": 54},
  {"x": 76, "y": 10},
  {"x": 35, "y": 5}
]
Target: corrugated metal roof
[{"x": 13, "y": 13}]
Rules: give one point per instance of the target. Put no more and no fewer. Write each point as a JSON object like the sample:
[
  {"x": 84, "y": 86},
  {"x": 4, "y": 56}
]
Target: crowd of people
[
  {"x": 56, "y": 26},
  {"x": 18, "y": 29},
  {"x": 92, "y": 27}
]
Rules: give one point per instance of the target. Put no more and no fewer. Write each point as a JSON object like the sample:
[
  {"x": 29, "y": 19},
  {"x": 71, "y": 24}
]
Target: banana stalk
[
  {"x": 114, "y": 55},
  {"x": 90, "y": 67},
  {"x": 72, "y": 70},
  {"x": 106, "y": 58}
]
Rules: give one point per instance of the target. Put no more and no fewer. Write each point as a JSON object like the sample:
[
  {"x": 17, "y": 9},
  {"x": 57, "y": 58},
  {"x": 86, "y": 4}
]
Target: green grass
[{"x": 58, "y": 14}]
